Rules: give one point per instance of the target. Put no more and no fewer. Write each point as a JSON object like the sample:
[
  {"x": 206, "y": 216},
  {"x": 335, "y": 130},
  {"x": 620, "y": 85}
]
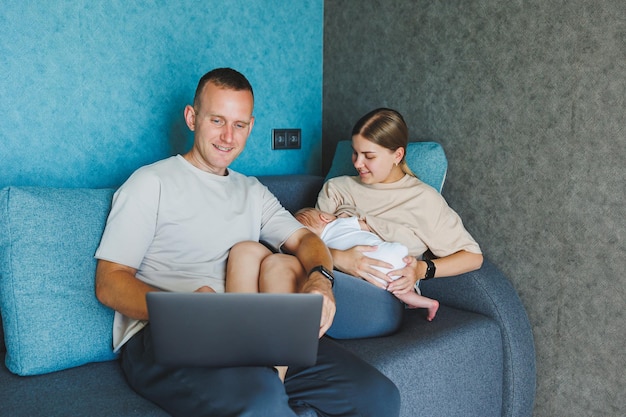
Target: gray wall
[{"x": 527, "y": 98}]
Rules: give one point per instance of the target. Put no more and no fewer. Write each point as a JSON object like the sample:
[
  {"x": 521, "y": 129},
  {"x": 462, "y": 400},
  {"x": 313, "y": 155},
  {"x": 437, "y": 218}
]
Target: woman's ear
[{"x": 399, "y": 155}]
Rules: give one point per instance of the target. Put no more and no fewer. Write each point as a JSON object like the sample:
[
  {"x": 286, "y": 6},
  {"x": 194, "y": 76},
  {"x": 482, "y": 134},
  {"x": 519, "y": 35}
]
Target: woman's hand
[
  {"x": 447, "y": 266},
  {"x": 409, "y": 275},
  {"x": 354, "y": 262}
]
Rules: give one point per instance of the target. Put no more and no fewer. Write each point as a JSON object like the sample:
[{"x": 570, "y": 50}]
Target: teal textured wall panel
[{"x": 92, "y": 90}]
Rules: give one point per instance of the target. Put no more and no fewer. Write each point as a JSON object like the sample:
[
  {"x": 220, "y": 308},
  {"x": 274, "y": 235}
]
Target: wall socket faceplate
[{"x": 286, "y": 138}]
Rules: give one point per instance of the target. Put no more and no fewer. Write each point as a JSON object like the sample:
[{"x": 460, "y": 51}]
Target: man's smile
[{"x": 223, "y": 148}]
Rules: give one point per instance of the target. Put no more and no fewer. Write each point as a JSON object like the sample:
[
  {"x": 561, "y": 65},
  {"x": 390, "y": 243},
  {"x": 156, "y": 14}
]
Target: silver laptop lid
[{"x": 234, "y": 329}]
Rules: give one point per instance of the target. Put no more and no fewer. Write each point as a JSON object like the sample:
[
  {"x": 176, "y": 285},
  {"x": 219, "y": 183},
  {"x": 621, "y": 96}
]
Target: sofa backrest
[
  {"x": 294, "y": 191},
  {"x": 427, "y": 160},
  {"x": 47, "y": 241},
  {"x": 51, "y": 317}
]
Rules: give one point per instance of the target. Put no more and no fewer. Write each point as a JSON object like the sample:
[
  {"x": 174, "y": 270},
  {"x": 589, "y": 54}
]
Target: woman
[{"x": 398, "y": 207}]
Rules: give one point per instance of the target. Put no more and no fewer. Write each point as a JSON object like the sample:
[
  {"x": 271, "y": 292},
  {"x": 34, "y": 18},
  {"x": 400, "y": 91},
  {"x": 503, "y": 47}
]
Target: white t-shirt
[
  {"x": 345, "y": 233},
  {"x": 175, "y": 224}
]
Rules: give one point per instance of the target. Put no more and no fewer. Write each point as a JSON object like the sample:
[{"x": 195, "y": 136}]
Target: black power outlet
[{"x": 286, "y": 138}]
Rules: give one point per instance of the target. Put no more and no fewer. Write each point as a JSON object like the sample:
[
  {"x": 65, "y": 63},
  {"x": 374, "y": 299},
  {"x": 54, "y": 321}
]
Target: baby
[{"x": 343, "y": 233}]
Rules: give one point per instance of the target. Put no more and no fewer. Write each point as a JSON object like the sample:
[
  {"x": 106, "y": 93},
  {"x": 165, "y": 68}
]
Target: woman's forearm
[{"x": 451, "y": 265}]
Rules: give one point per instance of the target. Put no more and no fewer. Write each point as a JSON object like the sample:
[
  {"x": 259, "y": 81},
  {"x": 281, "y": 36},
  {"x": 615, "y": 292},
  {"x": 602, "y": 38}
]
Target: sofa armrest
[{"x": 487, "y": 291}]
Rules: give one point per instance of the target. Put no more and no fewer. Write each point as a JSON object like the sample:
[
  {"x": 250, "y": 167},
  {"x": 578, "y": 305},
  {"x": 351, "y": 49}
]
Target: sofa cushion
[
  {"x": 52, "y": 319},
  {"x": 294, "y": 191},
  {"x": 95, "y": 390},
  {"x": 451, "y": 366},
  {"x": 427, "y": 160}
]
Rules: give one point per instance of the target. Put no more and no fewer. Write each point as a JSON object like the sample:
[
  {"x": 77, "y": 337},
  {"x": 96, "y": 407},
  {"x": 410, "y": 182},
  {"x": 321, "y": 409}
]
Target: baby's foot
[
  {"x": 432, "y": 310},
  {"x": 412, "y": 300}
]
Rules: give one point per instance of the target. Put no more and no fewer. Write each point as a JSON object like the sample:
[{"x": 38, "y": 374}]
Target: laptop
[{"x": 234, "y": 329}]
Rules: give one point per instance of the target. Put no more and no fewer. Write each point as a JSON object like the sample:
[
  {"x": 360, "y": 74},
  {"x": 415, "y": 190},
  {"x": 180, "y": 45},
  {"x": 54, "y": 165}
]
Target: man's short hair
[{"x": 224, "y": 78}]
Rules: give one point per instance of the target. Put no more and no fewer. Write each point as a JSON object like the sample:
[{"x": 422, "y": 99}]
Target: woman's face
[{"x": 374, "y": 163}]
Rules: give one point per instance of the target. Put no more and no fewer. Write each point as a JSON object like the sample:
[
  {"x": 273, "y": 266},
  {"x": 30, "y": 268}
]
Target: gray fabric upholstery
[
  {"x": 488, "y": 292},
  {"x": 449, "y": 367},
  {"x": 294, "y": 191},
  {"x": 95, "y": 390}
]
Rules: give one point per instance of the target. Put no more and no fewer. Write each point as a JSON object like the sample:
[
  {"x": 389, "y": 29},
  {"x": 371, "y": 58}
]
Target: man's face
[{"x": 221, "y": 124}]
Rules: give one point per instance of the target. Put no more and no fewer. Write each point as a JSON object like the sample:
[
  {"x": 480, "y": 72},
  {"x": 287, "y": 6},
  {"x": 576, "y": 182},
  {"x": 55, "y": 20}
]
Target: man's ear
[{"x": 190, "y": 117}]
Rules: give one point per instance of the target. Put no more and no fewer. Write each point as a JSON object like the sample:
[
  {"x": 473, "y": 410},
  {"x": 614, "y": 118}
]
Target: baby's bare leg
[
  {"x": 414, "y": 300},
  {"x": 281, "y": 273},
  {"x": 244, "y": 266}
]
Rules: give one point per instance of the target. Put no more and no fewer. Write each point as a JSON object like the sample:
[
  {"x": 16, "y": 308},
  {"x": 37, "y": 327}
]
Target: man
[{"x": 171, "y": 227}]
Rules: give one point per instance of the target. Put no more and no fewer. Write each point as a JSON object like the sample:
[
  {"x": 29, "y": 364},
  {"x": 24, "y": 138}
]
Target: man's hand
[
  {"x": 311, "y": 252},
  {"x": 318, "y": 284}
]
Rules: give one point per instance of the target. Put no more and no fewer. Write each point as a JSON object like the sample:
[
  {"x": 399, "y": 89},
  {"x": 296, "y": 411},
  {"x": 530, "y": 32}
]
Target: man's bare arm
[
  {"x": 311, "y": 252},
  {"x": 118, "y": 287}
]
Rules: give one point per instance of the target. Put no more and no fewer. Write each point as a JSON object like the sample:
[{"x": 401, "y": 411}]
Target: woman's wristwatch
[
  {"x": 327, "y": 274},
  {"x": 430, "y": 269}
]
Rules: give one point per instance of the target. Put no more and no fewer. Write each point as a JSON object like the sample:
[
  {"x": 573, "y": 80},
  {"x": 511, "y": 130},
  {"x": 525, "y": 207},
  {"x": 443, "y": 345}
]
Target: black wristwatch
[
  {"x": 327, "y": 274},
  {"x": 430, "y": 269}
]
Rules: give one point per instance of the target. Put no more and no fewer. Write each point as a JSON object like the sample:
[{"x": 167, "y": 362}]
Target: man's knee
[{"x": 264, "y": 400}]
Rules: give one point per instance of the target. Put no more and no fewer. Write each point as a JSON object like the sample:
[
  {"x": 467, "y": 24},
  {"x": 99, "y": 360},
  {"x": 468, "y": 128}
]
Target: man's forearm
[
  {"x": 117, "y": 287},
  {"x": 312, "y": 252}
]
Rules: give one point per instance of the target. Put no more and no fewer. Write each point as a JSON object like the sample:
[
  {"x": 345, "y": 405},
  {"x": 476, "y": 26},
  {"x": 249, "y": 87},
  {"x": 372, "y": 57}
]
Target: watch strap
[
  {"x": 322, "y": 270},
  {"x": 430, "y": 269}
]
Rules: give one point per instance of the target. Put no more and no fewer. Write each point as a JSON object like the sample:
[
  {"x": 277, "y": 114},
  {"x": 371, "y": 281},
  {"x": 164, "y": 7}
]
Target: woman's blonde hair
[{"x": 386, "y": 128}]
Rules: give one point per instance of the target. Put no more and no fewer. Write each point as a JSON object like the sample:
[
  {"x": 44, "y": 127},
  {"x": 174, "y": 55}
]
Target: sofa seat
[
  {"x": 94, "y": 390},
  {"x": 456, "y": 341}
]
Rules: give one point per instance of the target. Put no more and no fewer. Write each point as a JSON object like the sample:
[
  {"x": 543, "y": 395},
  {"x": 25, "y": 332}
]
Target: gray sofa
[{"x": 475, "y": 359}]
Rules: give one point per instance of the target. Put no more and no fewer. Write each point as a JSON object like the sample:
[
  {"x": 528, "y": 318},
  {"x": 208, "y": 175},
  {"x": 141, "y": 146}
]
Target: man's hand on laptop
[
  {"x": 320, "y": 285},
  {"x": 328, "y": 313}
]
